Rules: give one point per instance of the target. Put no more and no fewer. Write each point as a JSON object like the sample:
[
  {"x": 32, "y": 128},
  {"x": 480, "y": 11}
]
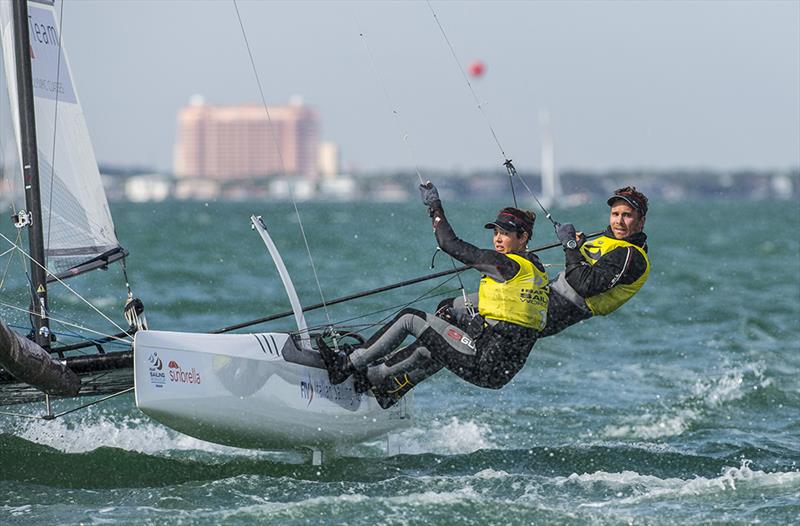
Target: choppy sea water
[{"x": 681, "y": 408}]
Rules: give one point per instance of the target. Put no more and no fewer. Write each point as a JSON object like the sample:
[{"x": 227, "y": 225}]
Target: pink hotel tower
[{"x": 228, "y": 143}]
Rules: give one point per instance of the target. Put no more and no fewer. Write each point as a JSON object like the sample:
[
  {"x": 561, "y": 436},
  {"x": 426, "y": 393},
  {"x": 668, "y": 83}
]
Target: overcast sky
[{"x": 628, "y": 84}]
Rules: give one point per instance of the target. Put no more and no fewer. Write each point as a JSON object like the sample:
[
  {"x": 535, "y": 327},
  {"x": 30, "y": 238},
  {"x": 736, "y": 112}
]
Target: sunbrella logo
[{"x": 179, "y": 376}]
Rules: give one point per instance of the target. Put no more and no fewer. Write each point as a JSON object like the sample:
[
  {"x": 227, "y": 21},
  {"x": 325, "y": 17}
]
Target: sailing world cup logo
[{"x": 157, "y": 376}]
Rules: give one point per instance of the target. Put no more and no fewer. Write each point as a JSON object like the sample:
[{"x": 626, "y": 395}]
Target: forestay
[{"x": 75, "y": 215}]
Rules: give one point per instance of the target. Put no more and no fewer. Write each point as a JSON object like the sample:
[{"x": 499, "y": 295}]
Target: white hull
[{"x": 240, "y": 390}]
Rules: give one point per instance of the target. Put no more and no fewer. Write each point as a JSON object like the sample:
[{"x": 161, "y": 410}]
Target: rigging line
[
  {"x": 466, "y": 79},
  {"x": 395, "y": 113},
  {"x": 81, "y": 338},
  {"x": 507, "y": 162},
  {"x": 280, "y": 158},
  {"x": 66, "y": 323},
  {"x": 382, "y": 321},
  {"x": 425, "y": 295},
  {"x": 513, "y": 193},
  {"x": 467, "y": 303},
  {"x": 84, "y": 406},
  {"x": 398, "y": 308},
  {"x": 55, "y": 124},
  {"x": 394, "y": 308},
  {"x": 20, "y": 415},
  {"x": 546, "y": 212},
  {"x": 87, "y": 302},
  {"x": 96, "y": 381},
  {"x": 125, "y": 275},
  {"x": 78, "y": 326},
  {"x": 10, "y": 259}
]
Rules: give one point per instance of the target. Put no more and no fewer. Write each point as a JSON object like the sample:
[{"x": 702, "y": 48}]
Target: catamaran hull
[{"x": 254, "y": 391}]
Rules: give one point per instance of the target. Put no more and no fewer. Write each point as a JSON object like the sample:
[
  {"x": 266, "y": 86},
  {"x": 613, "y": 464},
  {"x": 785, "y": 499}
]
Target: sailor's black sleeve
[
  {"x": 621, "y": 265},
  {"x": 490, "y": 262}
]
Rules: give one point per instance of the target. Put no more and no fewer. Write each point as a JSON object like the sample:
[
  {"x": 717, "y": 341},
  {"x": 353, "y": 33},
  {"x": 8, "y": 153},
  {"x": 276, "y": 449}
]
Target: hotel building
[{"x": 229, "y": 143}]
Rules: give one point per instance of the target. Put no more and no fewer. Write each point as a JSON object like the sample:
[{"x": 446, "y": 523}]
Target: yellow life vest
[
  {"x": 522, "y": 300},
  {"x": 610, "y": 300}
]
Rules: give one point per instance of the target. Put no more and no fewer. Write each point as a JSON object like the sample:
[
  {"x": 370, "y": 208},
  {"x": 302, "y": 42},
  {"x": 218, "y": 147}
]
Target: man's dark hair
[{"x": 633, "y": 197}]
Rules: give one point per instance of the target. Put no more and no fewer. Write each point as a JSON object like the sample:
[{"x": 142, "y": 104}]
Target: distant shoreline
[{"x": 143, "y": 185}]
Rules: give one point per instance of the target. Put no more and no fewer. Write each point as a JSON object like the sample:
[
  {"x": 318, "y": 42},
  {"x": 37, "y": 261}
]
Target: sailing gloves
[
  {"x": 430, "y": 195},
  {"x": 566, "y": 234}
]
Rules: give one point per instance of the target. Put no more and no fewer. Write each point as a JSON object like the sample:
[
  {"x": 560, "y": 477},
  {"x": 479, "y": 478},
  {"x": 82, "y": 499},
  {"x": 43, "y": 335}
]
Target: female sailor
[{"x": 486, "y": 349}]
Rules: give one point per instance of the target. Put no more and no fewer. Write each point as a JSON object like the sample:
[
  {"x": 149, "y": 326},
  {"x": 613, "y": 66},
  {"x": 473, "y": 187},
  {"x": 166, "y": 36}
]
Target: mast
[{"x": 30, "y": 169}]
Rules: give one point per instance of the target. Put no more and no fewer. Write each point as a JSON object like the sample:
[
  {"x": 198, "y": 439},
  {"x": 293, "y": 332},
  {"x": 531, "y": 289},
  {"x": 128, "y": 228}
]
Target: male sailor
[
  {"x": 487, "y": 349},
  {"x": 602, "y": 274}
]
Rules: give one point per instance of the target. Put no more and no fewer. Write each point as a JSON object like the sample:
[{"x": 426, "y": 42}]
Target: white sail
[
  {"x": 76, "y": 219},
  {"x": 11, "y": 191}
]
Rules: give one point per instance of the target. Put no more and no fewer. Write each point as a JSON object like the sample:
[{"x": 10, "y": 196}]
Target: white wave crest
[
  {"x": 390, "y": 508},
  {"x": 132, "y": 433},
  {"x": 650, "y": 487},
  {"x": 136, "y": 432},
  {"x": 450, "y": 437},
  {"x": 650, "y": 426},
  {"x": 706, "y": 394},
  {"x": 490, "y": 473}
]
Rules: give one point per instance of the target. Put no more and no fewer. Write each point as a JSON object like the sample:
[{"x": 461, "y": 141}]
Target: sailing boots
[{"x": 336, "y": 362}]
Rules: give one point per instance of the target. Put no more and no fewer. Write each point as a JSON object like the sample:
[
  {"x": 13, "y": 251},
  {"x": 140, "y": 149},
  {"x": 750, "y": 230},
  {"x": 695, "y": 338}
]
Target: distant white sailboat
[
  {"x": 551, "y": 185},
  {"x": 552, "y": 193}
]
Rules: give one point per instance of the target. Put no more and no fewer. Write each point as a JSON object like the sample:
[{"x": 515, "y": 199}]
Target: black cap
[
  {"x": 632, "y": 200},
  {"x": 512, "y": 220}
]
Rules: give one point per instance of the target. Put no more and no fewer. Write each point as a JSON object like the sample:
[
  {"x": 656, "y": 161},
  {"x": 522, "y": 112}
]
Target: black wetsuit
[
  {"x": 581, "y": 280},
  {"x": 486, "y": 353}
]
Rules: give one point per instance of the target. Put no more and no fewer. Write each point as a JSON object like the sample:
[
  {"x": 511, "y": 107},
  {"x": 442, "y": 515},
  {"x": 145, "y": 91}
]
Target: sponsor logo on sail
[
  {"x": 178, "y": 375},
  {"x": 157, "y": 376},
  {"x": 50, "y": 79}
]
